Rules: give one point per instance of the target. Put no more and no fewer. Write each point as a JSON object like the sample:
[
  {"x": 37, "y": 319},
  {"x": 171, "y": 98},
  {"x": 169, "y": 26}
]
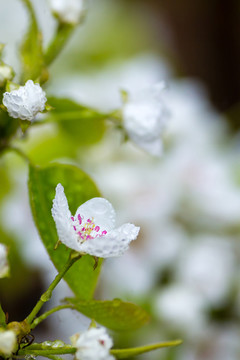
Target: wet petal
[
  {"x": 62, "y": 217},
  {"x": 102, "y": 212},
  {"x": 115, "y": 243}
]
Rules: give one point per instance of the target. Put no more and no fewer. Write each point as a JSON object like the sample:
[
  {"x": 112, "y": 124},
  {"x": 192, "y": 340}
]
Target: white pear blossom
[
  {"x": 4, "y": 267},
  {"x": 8, "y": 342},
  {"x": 144, "y": 118},
  {"x": 68, "y": 11},
  {"x": 93, "y": 344},
  {"x": 91, "y": 230},
  {"x": 25, "y": 102}
]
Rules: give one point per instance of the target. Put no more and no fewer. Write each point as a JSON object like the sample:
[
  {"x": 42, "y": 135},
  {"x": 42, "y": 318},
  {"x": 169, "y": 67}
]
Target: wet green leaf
[
  {"x": 114, "y": 314},
  {"x": 79, "y": 188}
]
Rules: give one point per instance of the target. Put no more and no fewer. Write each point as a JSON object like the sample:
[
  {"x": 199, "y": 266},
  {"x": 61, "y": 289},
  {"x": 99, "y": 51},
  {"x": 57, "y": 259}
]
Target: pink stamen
[
  {"x": 104, "y": 232},
  {"x": 72, "y": 218},
  {"x": 83, "y": 229},
  {"x": 89, "y": 220},
  {"x": 74, "y": 228},
  {"x": 97, "y": 228},
  {"x": 79, "y": 219}
]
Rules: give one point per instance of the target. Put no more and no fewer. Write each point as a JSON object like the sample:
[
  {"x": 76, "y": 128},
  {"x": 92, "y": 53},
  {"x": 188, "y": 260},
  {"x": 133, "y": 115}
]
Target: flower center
[{"x": 86, "y": 230}]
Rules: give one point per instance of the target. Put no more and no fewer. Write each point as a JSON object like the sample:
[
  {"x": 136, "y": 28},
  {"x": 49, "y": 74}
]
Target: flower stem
[
  {"x": 47, "y": 295},
  {"x": 50, "y": 312},
  {"x": 64, "y": 31},
  {"x": 48, "y": 352},
  {"x": 31, "y": 11}
]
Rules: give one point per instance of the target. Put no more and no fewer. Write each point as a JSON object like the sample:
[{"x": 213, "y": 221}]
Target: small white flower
[
  {"x": 93, "y": 344},
  {"x": 68, "y": 11},
  {"x": 144, "y": 118},
  {"x": 91, "y": 230},
  {"x": 6, "y": 73},
  {"x": 25, "y": 102},
  {"x": 4, "y": 268},
  {"x": 8, "y": 342}
]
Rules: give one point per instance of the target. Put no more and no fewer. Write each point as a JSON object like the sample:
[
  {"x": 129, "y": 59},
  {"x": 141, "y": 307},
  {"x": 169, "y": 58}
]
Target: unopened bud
[{"x": 6, "y": 74}]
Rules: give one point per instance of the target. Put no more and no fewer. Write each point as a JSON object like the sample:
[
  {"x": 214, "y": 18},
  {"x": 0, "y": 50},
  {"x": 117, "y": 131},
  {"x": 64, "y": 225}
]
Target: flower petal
[
  {"x": 8, "y": 342},
  {"x": 101, "y": 210},
  {"x": 93, "y": 344},
  {"x": 154, "y": 147},
  {"x": 145, "y": 118},
  {"x": 62, "y": 217},
  {"x": 115, "y": 243}
]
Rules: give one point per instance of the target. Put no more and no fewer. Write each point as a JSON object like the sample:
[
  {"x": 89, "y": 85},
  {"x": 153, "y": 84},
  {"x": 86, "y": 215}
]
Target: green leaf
[
  {"x": 84, "y": 125},
  {"x": 127, "y": 353},
  {"x": 31, "y": 48},
  {"x": 2, "y": 318},
  {"x": 116, "y": 314},
  {"x": 79, "y": 188}
]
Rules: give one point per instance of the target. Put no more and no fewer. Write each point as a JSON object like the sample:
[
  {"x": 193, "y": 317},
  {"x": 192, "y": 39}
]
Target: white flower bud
[
  {"x": 25, "y": 102},
  {"x": 6, "y": 73},
  {"x": 8, "y": 342},
  {"x": 68, "y": 11},
  {"x": 144, "y": 119},
  {"x": 93, "y": 344},
  {"x": 4, "y": 268}
]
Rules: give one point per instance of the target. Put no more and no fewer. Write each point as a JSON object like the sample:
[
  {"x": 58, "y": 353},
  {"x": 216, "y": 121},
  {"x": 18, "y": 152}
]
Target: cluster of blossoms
[
  {"x": 4, "y": 267},
  {"x": 92, "y": 229},
  {"x": 144, "y": 113},
  {"x": 93, "y": 344}
]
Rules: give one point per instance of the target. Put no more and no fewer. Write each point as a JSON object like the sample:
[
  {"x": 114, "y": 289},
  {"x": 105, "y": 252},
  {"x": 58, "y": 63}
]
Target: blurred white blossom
[
  {"x": 25, "y": 102},
  {"x": 181, "y": 308},
  {"x": 144, "y": 118},
  {"x": 207, "y": 266},
  {"x": 93, "y": 344},
  {"x": 68, "y": 11},
  {"x": 91, "y": 230}
]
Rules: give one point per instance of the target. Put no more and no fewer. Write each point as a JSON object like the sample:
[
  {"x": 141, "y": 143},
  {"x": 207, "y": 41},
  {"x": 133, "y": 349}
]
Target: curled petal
[
  {"x": 115, "y": 243},
  {"x": 62, "y": 217},
  {"x": 101, "y": 210}
]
